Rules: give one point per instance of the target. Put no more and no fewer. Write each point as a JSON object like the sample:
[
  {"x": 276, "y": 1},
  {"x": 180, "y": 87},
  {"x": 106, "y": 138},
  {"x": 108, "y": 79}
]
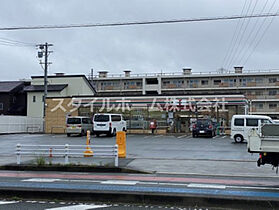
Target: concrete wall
[{"x": 56, "y": 118}]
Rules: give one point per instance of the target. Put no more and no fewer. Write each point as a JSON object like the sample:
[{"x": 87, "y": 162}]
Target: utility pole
[{"x": 44, "y": 52}]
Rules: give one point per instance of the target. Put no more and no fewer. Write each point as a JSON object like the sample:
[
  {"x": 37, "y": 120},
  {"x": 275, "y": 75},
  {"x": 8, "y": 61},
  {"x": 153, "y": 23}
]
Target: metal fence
[
  {"x": 67, "y": 151},
  {"x": 20, "y": 124}
]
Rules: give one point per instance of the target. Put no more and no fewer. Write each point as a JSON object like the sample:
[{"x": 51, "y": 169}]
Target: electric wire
[
  {"x": 90, "y": 25},
  {"x": 259, "y": 40},
  {"x": 234, "y": 35},
  {"x": 235, "y": 56},
  {"x": 10, "y": 42},
  {"x": 238, "y": 38},
  {"x": 244, "y": 49}
]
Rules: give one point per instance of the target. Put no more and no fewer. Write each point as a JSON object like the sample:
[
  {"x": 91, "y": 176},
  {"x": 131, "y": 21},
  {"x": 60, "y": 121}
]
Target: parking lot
[{"x": 179, "y": 154}]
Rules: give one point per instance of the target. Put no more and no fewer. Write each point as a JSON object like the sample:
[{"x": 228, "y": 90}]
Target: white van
[
  {"x": 241, "y": 124},
  {"x": 78, "y": 125},
  {"x": 108, "y": 124}
]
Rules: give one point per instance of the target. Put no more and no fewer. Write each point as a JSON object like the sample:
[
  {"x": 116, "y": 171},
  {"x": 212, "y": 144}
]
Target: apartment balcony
[
  {"x": 153, "y": 87},
  {"x": 132, "y": 87}
]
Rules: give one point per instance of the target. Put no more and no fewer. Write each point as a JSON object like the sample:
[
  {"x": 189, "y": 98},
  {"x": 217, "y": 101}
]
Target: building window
[
  {"x": 216, "y": 81},
  {"x": 272, "y": 80},
  {"x": 259, "y": 92},
  {"x": 1, "y": 106},
  {"x": 272, "y": 92},
  {"x": 259, "y": 106},
  {"x": 272, "y": 106},
  {"x": 34, "y": 98},
  {"x": 204, "y": 82},
  {"x": 259, "y": 80}
]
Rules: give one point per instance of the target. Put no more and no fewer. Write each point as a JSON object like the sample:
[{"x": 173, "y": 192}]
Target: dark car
[{"x": 204, "y": 127}]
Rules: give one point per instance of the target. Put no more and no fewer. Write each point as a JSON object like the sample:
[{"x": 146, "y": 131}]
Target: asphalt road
[
  {"x": 161, "y": 154},
  {"x": 198, "y": 191},
  {"x": 9, "y": 204}
]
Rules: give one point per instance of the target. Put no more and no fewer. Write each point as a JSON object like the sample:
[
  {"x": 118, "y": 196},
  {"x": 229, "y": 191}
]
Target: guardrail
[{"x": 67, "y": 151}]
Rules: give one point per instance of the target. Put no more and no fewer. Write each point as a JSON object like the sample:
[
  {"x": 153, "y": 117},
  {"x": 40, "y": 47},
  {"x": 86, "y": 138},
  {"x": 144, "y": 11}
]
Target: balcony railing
[{"x": 276, "y": 71}]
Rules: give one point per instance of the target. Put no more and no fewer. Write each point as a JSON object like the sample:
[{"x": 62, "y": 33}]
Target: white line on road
[
  {"x": 146, "y": 137},
  {"x": 40, "y": 180},
  {"x": 119, "y": 182},
  {"x": 79, "y": 207},
  {"x": 214, "y": 137},
  {"x": 179, "y": 137},
  {"x": 158, "y": 136},
  {"x": 224, "y": 137},
  {"x": 7, "y": 202},
  {"x": 213, "y": 186}
]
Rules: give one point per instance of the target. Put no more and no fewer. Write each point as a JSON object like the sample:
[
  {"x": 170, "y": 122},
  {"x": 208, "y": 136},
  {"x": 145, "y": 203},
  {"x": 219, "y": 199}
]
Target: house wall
[{"x": 76, "y": 86}]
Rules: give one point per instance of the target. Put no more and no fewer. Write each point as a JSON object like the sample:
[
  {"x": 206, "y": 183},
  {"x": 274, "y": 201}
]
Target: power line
[
  {"x": 15, "y": 43},
  {"x": 234, "y": 35},
  {"x": 238, "y": 33},
  {"x": 243, "y": 50},
  {"x": 259, "y": 41},
  {"x": 91, "y": 25},
  {"x": 242, "y": 33},
  {"x": 258, "y": 31}
]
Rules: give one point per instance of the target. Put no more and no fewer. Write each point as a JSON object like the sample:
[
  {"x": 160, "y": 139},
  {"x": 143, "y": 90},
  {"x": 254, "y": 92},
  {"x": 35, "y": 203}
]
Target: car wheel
[
  {"x": 97, "y": 134},
  {"x": 238, "y": 138},
  {"x": 68, "y": 134}
]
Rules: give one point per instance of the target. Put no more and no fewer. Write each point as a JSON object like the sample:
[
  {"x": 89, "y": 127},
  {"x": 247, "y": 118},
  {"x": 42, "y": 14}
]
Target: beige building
[
  {"x": 59, "y": 85},
  {"x": 261, "y": 88}
]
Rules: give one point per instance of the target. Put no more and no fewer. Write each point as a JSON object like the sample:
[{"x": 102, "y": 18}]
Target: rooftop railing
[{"x": 221, "y": 73}]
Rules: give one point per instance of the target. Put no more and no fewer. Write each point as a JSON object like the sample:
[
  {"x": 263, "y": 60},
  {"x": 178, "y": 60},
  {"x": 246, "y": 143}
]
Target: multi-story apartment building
[{"x": 261, "y": 88}]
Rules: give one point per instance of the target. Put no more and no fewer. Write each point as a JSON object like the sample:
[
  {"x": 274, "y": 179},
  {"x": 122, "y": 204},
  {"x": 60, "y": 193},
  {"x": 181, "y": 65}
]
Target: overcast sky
[{"x": 153, "y": 48}]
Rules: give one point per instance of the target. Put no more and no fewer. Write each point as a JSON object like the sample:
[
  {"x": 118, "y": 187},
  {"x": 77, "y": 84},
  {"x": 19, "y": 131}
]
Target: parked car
[
  {"x": 241, "y": 124},
  {"x": 108, "y": 124},
  {"x": 78, "y": 125},
  {"x": 203, "y": 127}
]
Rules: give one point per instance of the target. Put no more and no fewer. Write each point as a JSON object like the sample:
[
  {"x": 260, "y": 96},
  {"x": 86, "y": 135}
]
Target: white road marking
[
  {"x": 188, "y": 137},
  {"x": 7, "y": 202},
  {"x": 146, "y": 137},
  {"x": 79, "y": 207},
  {"x": 213, "y": 186},
  {"x": 82, "y": 180},
  {"x": 179, "y": 137},
  {"x": 120, "y": 182},
  {"x": 215, "y": 137},
  {"x": 224, "y": 137},
  {"x": 158, "y": 136},
  {"x": 40, "y": 180}
]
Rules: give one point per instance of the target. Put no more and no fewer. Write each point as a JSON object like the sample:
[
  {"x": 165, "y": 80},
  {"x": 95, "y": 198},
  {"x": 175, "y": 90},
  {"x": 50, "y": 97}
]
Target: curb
[{"x": 99, "y": 169}]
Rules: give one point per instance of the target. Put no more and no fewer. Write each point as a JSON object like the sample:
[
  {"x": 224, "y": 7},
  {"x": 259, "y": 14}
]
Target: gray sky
[{"x": 154, "y": 48}]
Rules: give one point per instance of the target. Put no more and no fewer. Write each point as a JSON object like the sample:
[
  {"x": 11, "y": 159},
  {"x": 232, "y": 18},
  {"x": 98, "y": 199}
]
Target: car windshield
[
  {"x": 73, "y": 121},
  {"x": 101, "y": 118}
]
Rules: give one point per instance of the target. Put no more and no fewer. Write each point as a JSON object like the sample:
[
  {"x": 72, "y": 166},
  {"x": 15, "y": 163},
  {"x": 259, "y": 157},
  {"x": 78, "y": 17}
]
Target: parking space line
[
  {"x": 224, "y": 137},
  {"x": 179, "y": 137},
  {"x": 158, "y": 136}
]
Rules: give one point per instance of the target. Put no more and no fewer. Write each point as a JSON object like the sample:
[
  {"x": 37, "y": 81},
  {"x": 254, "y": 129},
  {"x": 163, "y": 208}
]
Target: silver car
[{"x": 78, "y": 125}]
